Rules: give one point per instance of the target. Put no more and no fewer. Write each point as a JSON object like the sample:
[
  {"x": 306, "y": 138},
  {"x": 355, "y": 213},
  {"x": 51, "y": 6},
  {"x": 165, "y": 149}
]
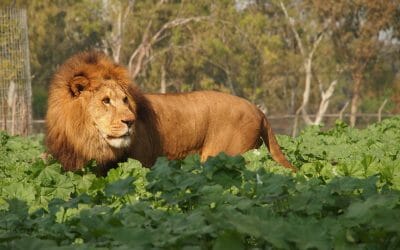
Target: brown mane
[
  {"x": 203, "y": 122},
  {"x": 69, "y": 137}
]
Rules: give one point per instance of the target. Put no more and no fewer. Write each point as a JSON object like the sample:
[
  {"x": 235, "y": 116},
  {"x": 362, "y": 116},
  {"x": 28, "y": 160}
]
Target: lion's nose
[{"x": 128, "y": 121}]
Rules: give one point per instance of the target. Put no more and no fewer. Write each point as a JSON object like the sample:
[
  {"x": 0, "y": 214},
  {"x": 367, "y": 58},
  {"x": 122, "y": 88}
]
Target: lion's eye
[
  {"x": 125, "y": 100},
  {"x": 106, "y": 100}
]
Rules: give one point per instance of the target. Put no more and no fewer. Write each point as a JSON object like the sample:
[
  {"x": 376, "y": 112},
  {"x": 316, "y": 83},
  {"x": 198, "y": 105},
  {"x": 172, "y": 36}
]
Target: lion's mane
[{"x": 70, "y": 137}]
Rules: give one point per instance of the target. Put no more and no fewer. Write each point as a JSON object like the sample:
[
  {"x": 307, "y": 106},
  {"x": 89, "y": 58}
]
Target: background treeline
[{"x": 290, "y": 57}]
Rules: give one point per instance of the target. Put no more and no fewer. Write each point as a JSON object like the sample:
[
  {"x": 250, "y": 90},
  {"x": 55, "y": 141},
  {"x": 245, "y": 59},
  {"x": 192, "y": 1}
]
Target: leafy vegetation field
[{"x": 346, "y": 195}]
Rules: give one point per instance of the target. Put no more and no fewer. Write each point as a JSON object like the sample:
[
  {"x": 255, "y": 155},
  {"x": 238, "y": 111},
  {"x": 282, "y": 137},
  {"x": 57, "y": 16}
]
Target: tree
[
  {"x": 307, "y": 50},
  {"x": 356, "y": 28},
  {"x": 285, "y": 63},
  {"x": 116, "y": 14}
]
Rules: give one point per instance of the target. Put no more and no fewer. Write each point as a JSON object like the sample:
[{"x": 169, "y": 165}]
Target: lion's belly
[{"x": 180, "y": 140}]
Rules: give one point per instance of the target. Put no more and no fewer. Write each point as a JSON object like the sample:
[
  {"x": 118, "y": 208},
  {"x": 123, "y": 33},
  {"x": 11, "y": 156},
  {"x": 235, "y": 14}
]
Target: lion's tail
[{"x": 273, "y": 146}]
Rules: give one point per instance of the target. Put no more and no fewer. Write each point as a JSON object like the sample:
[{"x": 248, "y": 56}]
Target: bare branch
[
  {"x": 117, "y": 15},
  {"x": 293, "y": 28},
  {"x": 307, "y": 64},
  {"x": 380, "y": 110},
  {"x": 143, "y": 50},
  {"x": 315, "y": 44},
  {"x": 175, "y": 23},
  {"x": 139, "y": 53},
  {"x": 342, "y": 110}
]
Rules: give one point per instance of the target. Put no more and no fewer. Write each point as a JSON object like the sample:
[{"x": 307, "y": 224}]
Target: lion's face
[
  {"x": 111, "y": 111},
  {"x": 92, "y": 111}
]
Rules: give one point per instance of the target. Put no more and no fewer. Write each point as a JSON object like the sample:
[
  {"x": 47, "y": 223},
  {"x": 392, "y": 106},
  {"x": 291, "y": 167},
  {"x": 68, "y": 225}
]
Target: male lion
[{"x": 96, "y": 113}]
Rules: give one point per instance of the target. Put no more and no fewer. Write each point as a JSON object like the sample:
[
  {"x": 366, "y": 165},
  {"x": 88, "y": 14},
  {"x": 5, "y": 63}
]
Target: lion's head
[
  {"x": 91, "y": 113},
  {"x": 111, "y": 112}
]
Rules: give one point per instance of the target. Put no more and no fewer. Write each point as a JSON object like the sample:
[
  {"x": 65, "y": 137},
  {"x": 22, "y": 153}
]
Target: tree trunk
[
  {"x": 325, "y": 99},
  {"x": 357, "y": 79},
  {"x": 307, "y": 89},
  {"x": 163, "y": 87},
  {"x": 117, "y": 14}
]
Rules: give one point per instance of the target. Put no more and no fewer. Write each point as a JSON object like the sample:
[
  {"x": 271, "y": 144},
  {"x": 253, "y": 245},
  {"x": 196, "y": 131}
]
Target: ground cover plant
[{"x": 346, "y": 195}]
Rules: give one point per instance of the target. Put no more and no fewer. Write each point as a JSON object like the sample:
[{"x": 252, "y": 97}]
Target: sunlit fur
[
  {"x": 80, "y": 127},
  {"x": 91, "y": 99}
]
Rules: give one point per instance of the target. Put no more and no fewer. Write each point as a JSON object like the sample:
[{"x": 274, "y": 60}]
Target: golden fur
[{"x": 96, "y": 113}]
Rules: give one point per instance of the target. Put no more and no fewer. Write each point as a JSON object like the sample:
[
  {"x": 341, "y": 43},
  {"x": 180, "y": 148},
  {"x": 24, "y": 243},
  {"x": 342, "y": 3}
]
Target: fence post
[{"x": 15, "y": 79}]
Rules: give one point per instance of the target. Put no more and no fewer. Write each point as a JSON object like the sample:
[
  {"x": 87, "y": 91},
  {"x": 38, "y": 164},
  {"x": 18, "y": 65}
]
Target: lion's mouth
[
  {"x": 111, "y": 137},
  {"x": 119, "y": 141}
]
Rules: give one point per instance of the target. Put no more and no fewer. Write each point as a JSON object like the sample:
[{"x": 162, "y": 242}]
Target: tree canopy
[{"x": 287, "y": 56}]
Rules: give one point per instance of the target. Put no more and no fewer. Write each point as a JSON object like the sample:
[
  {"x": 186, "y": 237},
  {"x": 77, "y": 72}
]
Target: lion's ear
[{"x": 78, "y": 84}]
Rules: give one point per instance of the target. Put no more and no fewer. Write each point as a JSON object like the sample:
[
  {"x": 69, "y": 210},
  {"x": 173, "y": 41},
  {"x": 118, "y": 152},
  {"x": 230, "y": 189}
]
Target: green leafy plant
[{"x": 346, "y": 195}]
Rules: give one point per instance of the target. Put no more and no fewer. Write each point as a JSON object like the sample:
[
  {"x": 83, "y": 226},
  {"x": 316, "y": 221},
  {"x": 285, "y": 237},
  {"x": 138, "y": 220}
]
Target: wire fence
[{"x": 15, "y": 82}]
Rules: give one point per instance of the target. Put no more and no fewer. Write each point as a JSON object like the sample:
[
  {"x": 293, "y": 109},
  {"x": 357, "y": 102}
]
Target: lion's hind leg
[{"x": 234, "y": 144}]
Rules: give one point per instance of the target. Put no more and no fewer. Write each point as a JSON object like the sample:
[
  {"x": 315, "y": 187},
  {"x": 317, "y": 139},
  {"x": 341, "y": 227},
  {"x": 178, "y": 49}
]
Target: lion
[{"x": 96, "y": 113}]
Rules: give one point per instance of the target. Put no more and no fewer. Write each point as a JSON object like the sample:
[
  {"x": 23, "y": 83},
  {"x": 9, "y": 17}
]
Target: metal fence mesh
[{"x": 15, "y": 82}]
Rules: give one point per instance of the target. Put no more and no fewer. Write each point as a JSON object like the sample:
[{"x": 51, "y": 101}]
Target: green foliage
[{"x": 346, "y": 195}]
